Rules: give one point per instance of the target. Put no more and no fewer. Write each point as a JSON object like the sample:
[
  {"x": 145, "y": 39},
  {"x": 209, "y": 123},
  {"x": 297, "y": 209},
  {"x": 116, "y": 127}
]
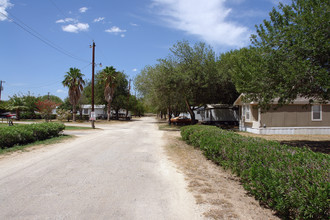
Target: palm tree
[
  {"x": 108, "y": 77},
  {"x": 74, "y": 81},
  {"x": 18, "y": 104}
]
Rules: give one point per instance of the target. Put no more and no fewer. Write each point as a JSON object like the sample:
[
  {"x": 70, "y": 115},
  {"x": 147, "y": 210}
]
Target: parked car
[
  {"x": 12, "y": 116},
  {"x": 181, "y": 120},
  {"x": 8, "y": 115}
]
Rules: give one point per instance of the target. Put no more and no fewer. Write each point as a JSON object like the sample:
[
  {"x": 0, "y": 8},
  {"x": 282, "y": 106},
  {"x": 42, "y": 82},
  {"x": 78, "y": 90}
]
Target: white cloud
[
  {"x": 285, "y": 2},
  {"x": 115, "y": 30},
  {"x": 99, "y": 19},
  {"x": 133, "y": 24},
  {"x": 122, "y": 35},
  {"x": 4, "y": 5},
  {"x": 61, "y": 91},
  {"x": 66, "y": 20},
  {"x": 75, "y": 28},
  {"x": 83, "y": 9},
  {"x": 134, "y": 70},
  {"x": 206, "y": 19}
]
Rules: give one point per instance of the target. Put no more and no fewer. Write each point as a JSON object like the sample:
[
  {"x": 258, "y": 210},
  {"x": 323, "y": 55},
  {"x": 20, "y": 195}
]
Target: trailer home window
[{"x": 316, "y": 112}]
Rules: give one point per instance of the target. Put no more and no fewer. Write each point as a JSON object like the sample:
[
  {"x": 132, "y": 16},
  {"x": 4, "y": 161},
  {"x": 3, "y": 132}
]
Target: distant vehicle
[
  {"x": 8, "y": 115},
  {"x": 12, "y": 116},
  {"x": 181, "y": 120},
  {"x": 121, "y": 116}
]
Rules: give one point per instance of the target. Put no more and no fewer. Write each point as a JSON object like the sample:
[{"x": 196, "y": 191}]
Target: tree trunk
[
  {"x": 126, "y": 114},
  {"x": 74, "y": 112},
  {"x": 109, "y": 110},
  {"x": 169, "y": 115},
  {"x": 117, "y": 114},
  {"x": 80, "y": 112},
  {"x": 17, "y": 115},
  {"x": 191, "y": 112}
]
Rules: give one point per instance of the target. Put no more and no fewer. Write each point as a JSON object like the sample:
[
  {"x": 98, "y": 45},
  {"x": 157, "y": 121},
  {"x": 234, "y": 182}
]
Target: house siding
[
  {"x": 254, "y": 112},
  {"x": 294, "y": 116}
]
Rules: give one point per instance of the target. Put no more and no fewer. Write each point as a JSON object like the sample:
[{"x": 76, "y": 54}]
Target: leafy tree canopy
[
  {"x": 189, "y": 77},
  {"x": 53, "y": 98},
  {"x": 289, "y": 56}
]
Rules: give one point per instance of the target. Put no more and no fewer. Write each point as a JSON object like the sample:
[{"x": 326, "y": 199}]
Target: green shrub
[
  {"x": 293, "y": 181},
  {"x": 24, "y": 134},
  {"x": 29, "y": 115}
]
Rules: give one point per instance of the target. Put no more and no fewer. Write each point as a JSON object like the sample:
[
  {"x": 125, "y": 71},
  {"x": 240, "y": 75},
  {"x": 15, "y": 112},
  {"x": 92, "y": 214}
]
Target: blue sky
[{"x": 128, "y": 35}]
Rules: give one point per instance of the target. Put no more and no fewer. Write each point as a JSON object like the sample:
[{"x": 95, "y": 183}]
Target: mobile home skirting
[{"x": 288, "y": 130}]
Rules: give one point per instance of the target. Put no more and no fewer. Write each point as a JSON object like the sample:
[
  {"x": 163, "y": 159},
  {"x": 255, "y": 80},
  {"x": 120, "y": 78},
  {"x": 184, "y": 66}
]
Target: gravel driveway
[{"x": 117, "y": 172}]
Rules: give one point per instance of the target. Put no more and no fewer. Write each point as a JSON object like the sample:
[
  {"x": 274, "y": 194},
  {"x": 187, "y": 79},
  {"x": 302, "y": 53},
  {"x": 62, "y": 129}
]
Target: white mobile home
[
  {"x": 220, "y": 114},
  {"x": 99, "y": 110}
]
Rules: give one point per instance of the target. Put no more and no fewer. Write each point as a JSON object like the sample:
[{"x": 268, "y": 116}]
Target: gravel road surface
[{"x": 117, "y": 172}]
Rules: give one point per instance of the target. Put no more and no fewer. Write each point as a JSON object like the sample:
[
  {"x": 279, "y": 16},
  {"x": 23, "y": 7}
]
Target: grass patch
[
  {"x": 77, "y": 128},
  {"x": 166, "y": 127},
  {"x": 3, "y": 125},
  {"x": 53, "y": 140}
]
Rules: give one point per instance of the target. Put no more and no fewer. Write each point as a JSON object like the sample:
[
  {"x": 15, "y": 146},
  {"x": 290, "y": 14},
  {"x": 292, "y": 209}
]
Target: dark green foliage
[
  {"x": 292, "y": 181},
  {"x": 24, "y": 134},
  {"x": 29, "y": 115},
  {"x": 289, "y": 56}
]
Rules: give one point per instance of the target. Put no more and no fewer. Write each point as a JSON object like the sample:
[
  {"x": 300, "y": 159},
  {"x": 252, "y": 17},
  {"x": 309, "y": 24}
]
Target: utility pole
[
  {"x": 1, "y": 88},
  {"x": 129, "y": 93},
  {"x": 93, "y": 67}
]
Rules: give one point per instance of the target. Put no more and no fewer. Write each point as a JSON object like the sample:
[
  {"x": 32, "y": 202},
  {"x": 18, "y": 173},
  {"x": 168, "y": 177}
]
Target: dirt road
[{"x": 119, "y": 172}]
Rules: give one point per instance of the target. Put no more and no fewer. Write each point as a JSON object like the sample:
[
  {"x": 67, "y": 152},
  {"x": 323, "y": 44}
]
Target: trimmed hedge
[
  {"x": 24, "y": 134},
  {"x": 293, "y": 181}
]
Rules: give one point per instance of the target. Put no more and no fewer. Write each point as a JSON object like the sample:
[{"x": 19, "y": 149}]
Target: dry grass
[
  {"x": 282, "y": 137},
  {"x": 317, "y": 143},
  {"x": 217, "y": 191}
]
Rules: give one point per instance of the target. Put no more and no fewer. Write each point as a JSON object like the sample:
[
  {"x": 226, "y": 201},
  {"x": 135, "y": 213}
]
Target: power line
[
  {"x": 41, "y": 38},
  {"x": 57, "y": 8}
]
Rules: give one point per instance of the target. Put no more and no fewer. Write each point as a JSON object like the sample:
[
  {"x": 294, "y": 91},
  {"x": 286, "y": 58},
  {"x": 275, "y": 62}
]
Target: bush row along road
[{"x": 119, "y": 172}]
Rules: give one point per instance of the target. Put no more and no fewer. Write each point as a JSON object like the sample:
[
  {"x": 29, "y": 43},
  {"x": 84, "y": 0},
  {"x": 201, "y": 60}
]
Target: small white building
[{"x": 101, "y": 111}]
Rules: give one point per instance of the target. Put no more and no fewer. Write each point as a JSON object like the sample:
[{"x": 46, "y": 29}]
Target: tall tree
[
  {"x": 199, "y": 80},
  {"x": 289, "y": 56},
  {"x": 108, "y": 77},
  {"x": 192, "y": 76},
  {"x": 121, "y": 93},
  {"x": 74, "y": 81}
]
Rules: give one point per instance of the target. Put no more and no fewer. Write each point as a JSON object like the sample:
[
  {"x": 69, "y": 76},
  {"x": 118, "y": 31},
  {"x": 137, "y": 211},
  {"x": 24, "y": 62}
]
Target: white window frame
[{"x": 312, "y": 111}]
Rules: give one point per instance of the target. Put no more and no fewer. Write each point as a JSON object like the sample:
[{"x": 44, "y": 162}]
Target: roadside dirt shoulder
[{"x": 216, "y": 190}]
